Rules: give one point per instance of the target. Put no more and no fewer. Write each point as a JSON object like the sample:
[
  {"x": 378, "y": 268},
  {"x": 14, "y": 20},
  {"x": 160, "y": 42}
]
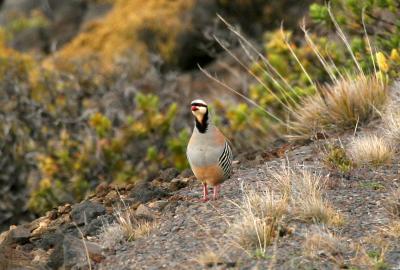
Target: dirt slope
[{"x": 188, "y": 229}]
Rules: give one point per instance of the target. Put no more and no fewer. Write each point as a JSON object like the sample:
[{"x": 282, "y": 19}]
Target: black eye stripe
[{"x": 199, "y": 105}]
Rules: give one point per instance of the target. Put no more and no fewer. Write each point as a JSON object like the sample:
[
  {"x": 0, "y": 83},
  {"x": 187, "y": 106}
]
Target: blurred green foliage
[
  {"x": 139, "y": 147},
  {"x": 66, "y": 128},
  {"x": 21, "y": 23},
  {"x": 382, "y": 25},
  {"x": 63, "y": 133},
  {"x": 281, "y": 48},
  {"x": 337, "y": 158}
]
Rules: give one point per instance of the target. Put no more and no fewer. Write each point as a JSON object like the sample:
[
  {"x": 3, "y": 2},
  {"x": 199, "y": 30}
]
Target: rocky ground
[{"x": 187, "y": 229}]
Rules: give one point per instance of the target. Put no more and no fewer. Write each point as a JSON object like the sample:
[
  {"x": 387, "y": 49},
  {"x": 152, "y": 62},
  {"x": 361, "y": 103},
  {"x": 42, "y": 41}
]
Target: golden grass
[
  {"x": 370, "y": 150},
  {"x": 394, "y": 229},
  {"x": 392, "y": 203},
  {"x": 341, "y": 106},
  {"x": 127, "y": 227},
  {"x": 111, "y": 235},
  {"x": 266, "y": 203},
  {"x": 374, "y": 258},
  {"x": 304, "y": 191},
  {"x": 209, "y": 258},
  {"x": 392, "y": 125},
  {"x": 260, "y": 217},
  {"x": 322, "y": 242},
  {"x": 131, "y": 226}
]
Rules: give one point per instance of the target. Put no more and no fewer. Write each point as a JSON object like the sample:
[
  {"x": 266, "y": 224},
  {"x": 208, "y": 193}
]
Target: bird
[{"x": 208, "y": 151}]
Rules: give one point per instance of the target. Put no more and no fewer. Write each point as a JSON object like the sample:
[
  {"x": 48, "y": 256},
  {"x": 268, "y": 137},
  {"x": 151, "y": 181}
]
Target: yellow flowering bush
[
  {"x": 292, "y": 67},
  {"x": 137, "y": 149}
]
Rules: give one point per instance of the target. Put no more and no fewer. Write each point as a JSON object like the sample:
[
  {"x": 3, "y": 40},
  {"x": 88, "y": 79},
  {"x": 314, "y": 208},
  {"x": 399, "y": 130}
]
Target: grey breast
[{"x": 204, "y": 151}]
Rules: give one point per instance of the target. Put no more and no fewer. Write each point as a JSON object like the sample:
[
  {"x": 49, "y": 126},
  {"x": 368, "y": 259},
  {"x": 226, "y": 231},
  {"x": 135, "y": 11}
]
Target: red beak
[{"x": 194, "y": 108}]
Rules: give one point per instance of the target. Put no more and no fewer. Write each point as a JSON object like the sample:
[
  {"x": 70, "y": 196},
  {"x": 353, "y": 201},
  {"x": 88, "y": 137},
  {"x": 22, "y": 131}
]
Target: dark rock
[
  {"x": 169, "y": 174},
  {"x": 86, "y": 211},
  {"x": 56, "y": 259},
  {"x": 144, "y": 193},
  {"x": 95, "y": 226},
  {"x": 71, "y": 254},
  {"x": 96, "y": 10},
  {"x": 52, "y": 215},
  {"x": 177, "y": 184},
  {"x": 186, "y": 173},
  {"x": 171, "y": 207},
  {"x": 17, "y": 235},
  {"x": 49, "y": 240},
  {"x": 35, "y": 37},
  {"x": 145, "y": 212}
]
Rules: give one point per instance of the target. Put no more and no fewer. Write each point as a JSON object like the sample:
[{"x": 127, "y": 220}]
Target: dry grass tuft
[
  {"x": 394, "y": 229},
  {"x": 304, "y": 191},
  {"x": 374, "y": 257},
  {"x": 341, "y": 106},
  {"x": 132, "y": 226},
  {"x": 393, "y": 203},
  {"x": 111, "y": 235},
  {"x": 266, "y": 204},
  {"x": 127, "y": 227},
  {"x": 308, "y": 201},
  {"x": 371, "y": 150},
  {"x": 263, "y": 212},
  {"x": 322, "y": 242},
  {"x": 209, "y": 259},
  {"x": 259, "y": 221},
  {"x": 392, "y": 125}
]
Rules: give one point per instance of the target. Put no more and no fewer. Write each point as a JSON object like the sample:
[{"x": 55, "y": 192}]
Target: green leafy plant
[
  {"x": 337, "y": 158},
  {"x": 72, "y": 165}
]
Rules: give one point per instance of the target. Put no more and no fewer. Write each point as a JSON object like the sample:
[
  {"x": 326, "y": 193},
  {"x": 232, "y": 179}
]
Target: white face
[{"x": 199, "y": 109}]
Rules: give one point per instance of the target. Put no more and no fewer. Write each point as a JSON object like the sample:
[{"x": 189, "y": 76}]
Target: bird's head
[
  {"x": 200, "y": 112},
  {"x": 199, "y": 109}
]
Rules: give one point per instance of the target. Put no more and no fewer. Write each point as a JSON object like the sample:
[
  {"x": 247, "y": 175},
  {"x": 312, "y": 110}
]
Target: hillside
[
  {"x": 78, "y": 79},
  {"x": 187, "y": 234},
  {"x": 95, "y": 120}
]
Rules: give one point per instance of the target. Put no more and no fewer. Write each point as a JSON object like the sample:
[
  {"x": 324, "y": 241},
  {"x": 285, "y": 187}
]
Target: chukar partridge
[{"x": 208, "y": 152}]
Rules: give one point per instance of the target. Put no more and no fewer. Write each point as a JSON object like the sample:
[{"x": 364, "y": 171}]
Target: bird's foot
[
  {"x": 203, "y": 200},
  {"x": 216, "y": 193}
]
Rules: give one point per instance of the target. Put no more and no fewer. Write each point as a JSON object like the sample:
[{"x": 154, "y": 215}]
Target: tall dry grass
[
  {"x": 304, "y": 190},
  {"x": 261, "y": 214},
  {"x": 320, "y": 242},
  {"x": 371, "y": 150},
  {"x": 266, "y": 214},
  {"x": 340, "y": 106},
  {"x": 127, "y": 227},
  {"x": 349, "y": 99}
]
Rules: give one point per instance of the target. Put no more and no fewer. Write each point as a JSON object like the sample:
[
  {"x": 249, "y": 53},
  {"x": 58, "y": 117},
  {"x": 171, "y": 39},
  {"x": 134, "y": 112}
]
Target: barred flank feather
[{"x": 225, "y": 160}]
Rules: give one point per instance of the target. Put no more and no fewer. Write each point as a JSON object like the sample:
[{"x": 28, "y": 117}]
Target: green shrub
[
  {"x": 74, "y": 162},
  {"x": 20, "y": 23},
  {"x": 337, "y": 158},
  {"x": 329, "y": 69}
]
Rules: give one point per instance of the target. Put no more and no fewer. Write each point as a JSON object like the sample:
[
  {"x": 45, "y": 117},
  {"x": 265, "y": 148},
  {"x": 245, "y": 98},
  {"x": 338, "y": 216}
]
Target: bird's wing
[{"x": 225, "y": 160}]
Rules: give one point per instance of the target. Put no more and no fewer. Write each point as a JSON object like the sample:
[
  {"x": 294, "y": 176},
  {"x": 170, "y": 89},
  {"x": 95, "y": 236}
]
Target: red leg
[
  {"x": 216, "y": 191},
  {"x": 205, "y": 192}
]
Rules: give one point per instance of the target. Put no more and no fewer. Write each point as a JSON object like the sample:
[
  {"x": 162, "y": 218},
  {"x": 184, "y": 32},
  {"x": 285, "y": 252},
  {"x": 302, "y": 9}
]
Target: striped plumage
[
  {"x": 225, "y": 160},
  {"x": 208, "y": 151}
]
